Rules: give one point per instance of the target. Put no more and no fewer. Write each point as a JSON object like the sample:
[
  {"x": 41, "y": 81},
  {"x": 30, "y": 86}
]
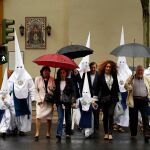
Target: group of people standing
[
  {"x": 68, "y": 83},
  {"x": 101, "y": 88},
  {"x": 103, "y": 93},
  {"x": 61, "y": 85},
  {"x": 77, "y": 97},
  {"x": 16, "y": 96}
]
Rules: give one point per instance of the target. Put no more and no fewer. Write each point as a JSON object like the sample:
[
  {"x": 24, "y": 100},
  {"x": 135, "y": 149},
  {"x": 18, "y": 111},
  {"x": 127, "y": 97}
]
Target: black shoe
[
  {"x": 36, "y": 138},
  {"x": 48, "y": 137},
  {"x": 58, "y": 139},
  {"x": 79, "y": 129},
  {"x": 68, "y": 136},
  {"x": 88, "y": 137},
  {"x": 21, "y": 133},
  {"x": 14, "y": 132},
  {"x": 133, "y": 139},
  {"x": 72, "y": 132},
  {"x": 3, "y": 135},
  {"x": 146, "y": 139}
]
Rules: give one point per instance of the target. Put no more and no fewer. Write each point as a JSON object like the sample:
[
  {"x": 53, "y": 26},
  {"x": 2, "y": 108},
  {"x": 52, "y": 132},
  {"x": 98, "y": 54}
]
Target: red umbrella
[{"x": 56, "y": 61}]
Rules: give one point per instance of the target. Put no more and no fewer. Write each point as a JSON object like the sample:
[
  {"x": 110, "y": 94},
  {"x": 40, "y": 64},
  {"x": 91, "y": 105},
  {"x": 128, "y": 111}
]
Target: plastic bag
[{"x": 119, "y": 109}]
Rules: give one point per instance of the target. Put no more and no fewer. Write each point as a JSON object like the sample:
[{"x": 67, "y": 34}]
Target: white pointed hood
[
  {"x": 88, "y": 41},
  {"x": 5, "y": 98},
  {"x": 84, "y": 64},
  {"x": 4, "y": 87},
  {"x": 20, "y": 75},
  {"x": 122, "y": 41},
  {"x": 86, "y": 95},
  {"x": 123, "y": 70},
  {"x": 18, "y": 57}
]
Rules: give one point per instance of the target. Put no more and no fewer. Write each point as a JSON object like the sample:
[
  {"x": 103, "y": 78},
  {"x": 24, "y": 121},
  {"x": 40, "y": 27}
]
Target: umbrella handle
[
  {"x": 133, "y": 67},
  {"x": 54, "y": 73}
]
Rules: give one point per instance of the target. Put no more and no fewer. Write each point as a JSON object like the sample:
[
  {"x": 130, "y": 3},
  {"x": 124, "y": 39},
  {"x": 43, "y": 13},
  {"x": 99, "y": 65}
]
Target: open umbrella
[
  {"x": 56, "y": 61},
  {"x": 132, "y": 50},
  {"x": 75, "y": 51}
]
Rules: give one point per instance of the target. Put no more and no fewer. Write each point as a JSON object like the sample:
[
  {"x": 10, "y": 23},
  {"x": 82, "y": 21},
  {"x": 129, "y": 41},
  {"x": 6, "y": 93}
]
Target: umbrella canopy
[
  {"x": 132, "y": 50},
  {"x": 75, "y": 51},
  {"x": 56, "y": 61}
]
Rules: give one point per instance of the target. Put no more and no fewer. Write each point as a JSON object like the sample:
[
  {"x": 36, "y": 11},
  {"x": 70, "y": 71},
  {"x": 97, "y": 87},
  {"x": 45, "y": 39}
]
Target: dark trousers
[
  {"x": 61, "y": 111},
  {"x": 139, "y": 105},
  {"x": 108, "y": 112},
  {"x": 96, "y": 118}
]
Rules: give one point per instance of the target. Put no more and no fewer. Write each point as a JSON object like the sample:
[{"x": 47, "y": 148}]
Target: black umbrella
[
  {"x": 75, "y": 51},
  {"x": 132, "y": 50}
]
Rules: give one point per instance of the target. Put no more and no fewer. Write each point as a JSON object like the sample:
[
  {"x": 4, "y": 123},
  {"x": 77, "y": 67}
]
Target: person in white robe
[
  {"x": 86, "y": 104},
  {"x": 6, "y": 107},
  {"x": 146, "y": 73},
  {"x": 83, "y": 67},
  {"x": 75, "y": 117},
  {"x": 123, "y": 74},
  {"x": 122, "y": 120},
  {"x": 22, "y": 87}
]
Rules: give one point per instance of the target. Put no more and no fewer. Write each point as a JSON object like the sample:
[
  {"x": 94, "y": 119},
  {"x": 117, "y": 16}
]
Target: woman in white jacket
[{"x": 43, "y": 84}]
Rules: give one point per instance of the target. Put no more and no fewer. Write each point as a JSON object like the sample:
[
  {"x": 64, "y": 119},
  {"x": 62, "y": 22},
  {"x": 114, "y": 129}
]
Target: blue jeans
[{"x": 61, "y": 111}]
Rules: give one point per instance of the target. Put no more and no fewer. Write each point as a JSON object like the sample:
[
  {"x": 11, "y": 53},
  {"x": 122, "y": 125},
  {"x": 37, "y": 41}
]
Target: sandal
[
  {"x": 141, "y": 129},
  {"x": 115, "y": 127},
  {"x": 106, "y": 137},
  {"x": 121, "y": 130},
  {"x": 110, "y": 137}
]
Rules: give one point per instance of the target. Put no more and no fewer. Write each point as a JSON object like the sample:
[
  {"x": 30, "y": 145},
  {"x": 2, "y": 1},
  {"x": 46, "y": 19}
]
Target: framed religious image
[
  {"x": 11, "y": 59},
  {"x": 35, "y": 37}
]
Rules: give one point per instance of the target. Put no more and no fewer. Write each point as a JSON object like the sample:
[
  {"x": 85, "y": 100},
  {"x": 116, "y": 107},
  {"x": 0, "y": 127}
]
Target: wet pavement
[{"x": 121, "y": 141}]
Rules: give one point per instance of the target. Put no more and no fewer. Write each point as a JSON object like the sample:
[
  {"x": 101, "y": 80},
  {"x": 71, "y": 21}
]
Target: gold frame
[{"x": 35, "y": 35}]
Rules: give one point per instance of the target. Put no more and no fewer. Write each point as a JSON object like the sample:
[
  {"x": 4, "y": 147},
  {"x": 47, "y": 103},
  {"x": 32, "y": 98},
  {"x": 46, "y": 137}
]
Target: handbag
[
  {"x": 105, "y": 99},
  {"x": 65, "y": 98},
  {"x": 118, "y": 109},
  {"x": 49, "y": 98},
  {"x": 129, "y": 100}
]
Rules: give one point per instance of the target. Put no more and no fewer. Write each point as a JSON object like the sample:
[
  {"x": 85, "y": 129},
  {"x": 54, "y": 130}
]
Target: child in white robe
[
  {"x": 86, "y": 104},
  {"x": 5, "y": 113},
  {"x": 6, "y": 108}
]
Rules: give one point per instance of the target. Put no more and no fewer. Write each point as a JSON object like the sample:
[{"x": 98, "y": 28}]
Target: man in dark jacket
[{"x": 92, "y": 79}]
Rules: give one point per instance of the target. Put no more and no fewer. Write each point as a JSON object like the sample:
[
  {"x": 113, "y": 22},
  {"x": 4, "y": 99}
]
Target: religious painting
[{"x": 35, "y": 37}]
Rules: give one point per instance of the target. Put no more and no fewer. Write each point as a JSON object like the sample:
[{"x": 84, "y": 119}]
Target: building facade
[{"x": 71, "y": 20}]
